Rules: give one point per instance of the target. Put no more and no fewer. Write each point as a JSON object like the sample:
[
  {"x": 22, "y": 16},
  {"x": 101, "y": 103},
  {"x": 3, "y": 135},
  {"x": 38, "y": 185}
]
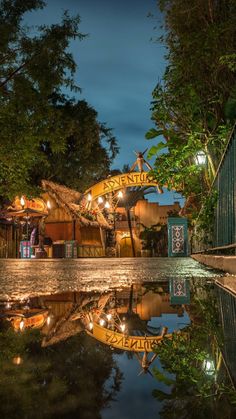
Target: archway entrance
[{"x": 126, "y": 247}]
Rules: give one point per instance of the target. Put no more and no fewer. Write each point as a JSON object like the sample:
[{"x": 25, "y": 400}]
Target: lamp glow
[
  {"x": 22, "y": 201},
  {"x": 209, "y": 367},
  {"x": 22, "y": 325},
  {"x": 109, "y": 317},
  {"x": 100, "y": 200},
  {"x": 107, "y": 205},
  {"x": 102, "y": 322},
  {"x": 89, "y": 197},
  {"x": 120, "y": 194},
  {"x": 200, "y": 158},
  {"x": 49, "y": 206},
  {"x": 90, "y": 326},
  {"x": 122, "y": 327},
  {"x": 48, "y": 320}
]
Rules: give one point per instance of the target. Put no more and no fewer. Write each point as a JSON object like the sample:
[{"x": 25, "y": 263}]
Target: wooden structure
[{"x": 69, "y": 219}]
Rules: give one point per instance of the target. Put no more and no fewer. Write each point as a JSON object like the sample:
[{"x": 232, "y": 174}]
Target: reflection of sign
[
  {"x": 179, "y": 291},
  {"x": 127, "y": 343},
  {"x": 36, "y": 204},
  {"x": 121, "y": 181}
]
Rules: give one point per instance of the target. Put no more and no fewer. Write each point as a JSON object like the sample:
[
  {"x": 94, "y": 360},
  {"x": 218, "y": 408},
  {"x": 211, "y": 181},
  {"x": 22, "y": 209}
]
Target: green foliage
[
  {"x": 205, "y": 220},
  {"x": 88, "y": 150},
  {"x": 61, "y": 381},
  {"x": 195, "y": 393},
  {"x": 193, "y": 107},
  {"x": 150, "y": 236}
]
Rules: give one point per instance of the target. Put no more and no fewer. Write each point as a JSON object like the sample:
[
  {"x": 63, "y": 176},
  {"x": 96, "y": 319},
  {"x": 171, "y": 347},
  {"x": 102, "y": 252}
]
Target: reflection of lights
[
  {"x": 107, "y": 205},
  {"x": 102, "y": 322},
  {"x": 22, "y": 324},
  {"x": 120, "y": 194},
  {"x": 122, "y": 327},
  {"x": 90, "y": 326},
  {"x": 8, "y": 305},
  {"x": 17, "y": 360},
  {"x": 100, "y": 200},
  {"x": 200, "y": 158},
  {"x": 209, "y": 367},
  {"x": 109, "y": 317},
  {"x": 22, "y": 201},
  {"x": 49, "y": 206},
  {"x": 89, "y": 197}
]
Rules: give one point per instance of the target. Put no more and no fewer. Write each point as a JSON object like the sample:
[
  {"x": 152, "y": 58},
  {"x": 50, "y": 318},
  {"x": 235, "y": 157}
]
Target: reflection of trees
[
  {"x": 62, "y": 381},
  {"x": 195, "y": 392}
]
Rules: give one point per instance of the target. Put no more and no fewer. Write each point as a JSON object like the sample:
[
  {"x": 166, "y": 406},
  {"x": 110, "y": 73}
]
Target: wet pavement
[{"x": 20, "y": 279}]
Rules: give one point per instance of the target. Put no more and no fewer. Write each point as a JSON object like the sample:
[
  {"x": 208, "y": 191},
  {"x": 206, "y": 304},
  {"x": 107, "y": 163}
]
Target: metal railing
[
  {"x": 223, "y": 237},
  {"x": 225, "y": 184},
  {"x": 227, "y": 306}
]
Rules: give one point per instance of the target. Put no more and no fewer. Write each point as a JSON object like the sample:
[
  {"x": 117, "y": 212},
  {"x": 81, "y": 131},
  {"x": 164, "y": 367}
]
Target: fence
[
  {"x": 224, "y": 231},
  {"x": 227, "y": 306}
]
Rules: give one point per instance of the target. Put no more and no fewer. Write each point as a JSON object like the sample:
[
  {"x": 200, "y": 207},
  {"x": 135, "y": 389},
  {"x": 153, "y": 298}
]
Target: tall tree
[
  {"x": 88, "y": 151},
  {"x": 36, "y": 68},
  {"x": 193, "y": 107}
]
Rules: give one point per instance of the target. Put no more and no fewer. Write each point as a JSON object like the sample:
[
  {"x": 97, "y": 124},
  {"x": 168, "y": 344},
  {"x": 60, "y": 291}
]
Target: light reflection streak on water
[{"x": 24, "y": 278}]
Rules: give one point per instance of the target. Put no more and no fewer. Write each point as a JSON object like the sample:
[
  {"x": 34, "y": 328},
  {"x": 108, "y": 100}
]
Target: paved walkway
[{"x": 26, "y": 278}]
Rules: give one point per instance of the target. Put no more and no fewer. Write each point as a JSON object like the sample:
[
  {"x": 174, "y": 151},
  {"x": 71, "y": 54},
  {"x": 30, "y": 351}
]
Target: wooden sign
[
  {"x": 121, "y": 181},
  {"x": 126, "y": 343},
  {"x": 36, "y": 204}
]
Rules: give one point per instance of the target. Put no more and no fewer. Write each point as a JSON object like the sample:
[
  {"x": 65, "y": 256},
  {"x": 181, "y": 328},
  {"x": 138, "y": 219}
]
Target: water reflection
[{"x": 74, "y": 353}]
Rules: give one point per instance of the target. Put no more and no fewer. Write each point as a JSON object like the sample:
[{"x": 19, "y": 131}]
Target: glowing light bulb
[
  {"x": 49, "y": 206},
  {"x": 107, "y": 205},
  {"x": 120, "y": 194},
  {"x": 89, "y": 197},
  {"x": 102, "y": 322},
  {"x": 22, "y": 201},
  {"x": 109, "y": 317},
  {"x": 100, "y": 200},
  {"x": 122, "y": 327},
  {"x": 90, "y": 326},
  {"x": 17, "y": 360},
  {"x": 48, "y": 320},
  {"x": 22, "y": 324}
]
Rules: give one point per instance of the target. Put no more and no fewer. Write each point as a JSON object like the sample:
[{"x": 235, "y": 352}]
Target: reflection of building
[
  {"x": 144, "y": 213},
  {"x": 147, "y": 304}
]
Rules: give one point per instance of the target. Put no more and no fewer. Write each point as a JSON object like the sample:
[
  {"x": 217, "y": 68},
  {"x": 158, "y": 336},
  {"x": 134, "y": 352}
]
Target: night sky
[{"x": 118, "y": 65}]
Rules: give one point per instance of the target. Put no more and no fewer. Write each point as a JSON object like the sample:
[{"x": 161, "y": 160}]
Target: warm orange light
[
  {"x": 17, "y": 360},
  {"x": 22, "y": 325},
  {"x": 120, "y": 194},
  {"x": 49, "y": 206},
  {"x": 122, "y": 327},
  {"x": 22, "y": 201},
  {"x": 107, "y": 205}
]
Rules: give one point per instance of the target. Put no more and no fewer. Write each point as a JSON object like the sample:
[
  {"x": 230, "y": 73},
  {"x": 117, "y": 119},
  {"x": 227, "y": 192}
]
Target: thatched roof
[{"x": 69, "y": 200}]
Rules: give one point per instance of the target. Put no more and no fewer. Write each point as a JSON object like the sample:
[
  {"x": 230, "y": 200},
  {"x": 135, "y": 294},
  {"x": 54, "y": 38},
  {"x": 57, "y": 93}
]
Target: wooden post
[{"x": 130, "y": 231}]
